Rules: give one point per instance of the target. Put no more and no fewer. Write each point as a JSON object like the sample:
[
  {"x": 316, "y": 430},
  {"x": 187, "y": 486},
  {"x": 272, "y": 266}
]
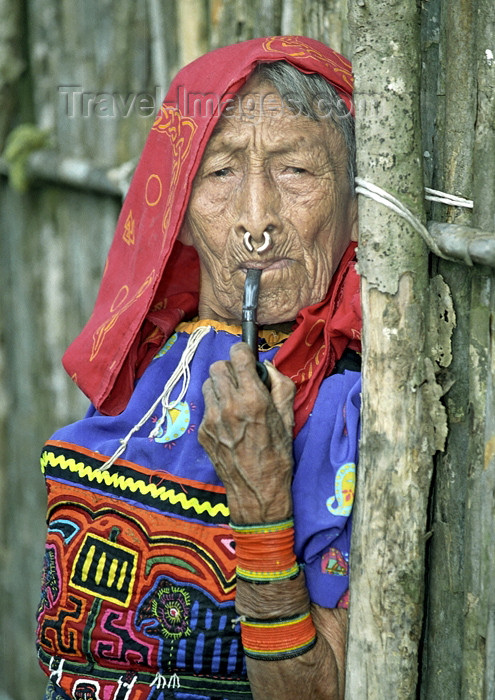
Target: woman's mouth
[{"x": 266, "y": 265}]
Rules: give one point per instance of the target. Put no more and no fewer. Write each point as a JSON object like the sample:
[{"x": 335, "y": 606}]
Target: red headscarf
[{"x": 151, "y": 281}]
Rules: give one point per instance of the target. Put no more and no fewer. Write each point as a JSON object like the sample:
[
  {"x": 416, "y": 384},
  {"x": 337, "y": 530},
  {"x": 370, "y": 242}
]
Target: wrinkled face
[{"x": 266, "y": 169}]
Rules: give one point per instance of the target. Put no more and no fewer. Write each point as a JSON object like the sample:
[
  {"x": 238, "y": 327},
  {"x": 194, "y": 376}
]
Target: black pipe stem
[{"x": 249, "y": 321}]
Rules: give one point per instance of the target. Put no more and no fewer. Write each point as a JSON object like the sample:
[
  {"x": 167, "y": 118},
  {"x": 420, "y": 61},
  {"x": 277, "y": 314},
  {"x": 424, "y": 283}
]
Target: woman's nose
[{"x": 258, "y": 212}]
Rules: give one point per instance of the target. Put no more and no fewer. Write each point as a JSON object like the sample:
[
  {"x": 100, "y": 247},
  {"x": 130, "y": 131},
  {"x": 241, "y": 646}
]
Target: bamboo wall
[{"x": 53, "y": 240}]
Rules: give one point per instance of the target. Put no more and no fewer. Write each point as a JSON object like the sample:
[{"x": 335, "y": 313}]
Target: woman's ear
[
  {"x": 353, "y": 214},
  {"x": 185, "y": 234}
]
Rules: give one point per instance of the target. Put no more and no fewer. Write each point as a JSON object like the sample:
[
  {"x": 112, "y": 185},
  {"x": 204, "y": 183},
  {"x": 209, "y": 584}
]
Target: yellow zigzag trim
[{"x": 49, "y": 459}]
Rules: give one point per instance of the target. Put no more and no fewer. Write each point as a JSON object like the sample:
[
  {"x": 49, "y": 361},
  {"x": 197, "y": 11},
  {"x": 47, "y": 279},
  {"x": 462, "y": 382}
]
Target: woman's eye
[
  {"x": 294, "y": 170},
  {"x": 222, "y": 172}
]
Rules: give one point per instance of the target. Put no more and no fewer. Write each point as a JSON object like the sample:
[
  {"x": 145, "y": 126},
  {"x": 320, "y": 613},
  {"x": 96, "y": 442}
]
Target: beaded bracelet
[
  {"x": 276, "y": 640},
  {"x": 256, "y": 528},
  {"x": 265, "y": 551}
]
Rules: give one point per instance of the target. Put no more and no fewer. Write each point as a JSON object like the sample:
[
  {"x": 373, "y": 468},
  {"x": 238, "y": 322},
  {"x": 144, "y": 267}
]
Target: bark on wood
[
  {"x": 442, "y": 649},
  {"x": 458, "y": 649},
  {"x": 470, "y": 245},
  {"x": 478, "y": 670},
  {"x": 404, "y": 422}
]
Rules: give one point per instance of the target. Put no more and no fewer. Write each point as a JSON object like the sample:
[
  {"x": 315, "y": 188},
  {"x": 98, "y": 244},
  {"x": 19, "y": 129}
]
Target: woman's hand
[{"x": 247, "y": 432}]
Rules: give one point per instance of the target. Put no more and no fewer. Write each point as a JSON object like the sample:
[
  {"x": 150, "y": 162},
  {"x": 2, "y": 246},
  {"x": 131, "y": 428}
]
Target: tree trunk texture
[
  {"x": 406, "y": 327},
  {"x": 459, "y": 648}
]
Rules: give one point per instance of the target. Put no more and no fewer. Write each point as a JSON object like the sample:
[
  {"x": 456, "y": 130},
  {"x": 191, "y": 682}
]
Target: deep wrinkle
[{"x": 280, "y": 172}]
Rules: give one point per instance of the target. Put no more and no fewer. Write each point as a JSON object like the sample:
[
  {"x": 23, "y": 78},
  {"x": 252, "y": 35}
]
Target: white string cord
[
  {"x": 182, "y": 371},
  {"x": 383, "y": 197},
  {"x": 450, "y": 199}
]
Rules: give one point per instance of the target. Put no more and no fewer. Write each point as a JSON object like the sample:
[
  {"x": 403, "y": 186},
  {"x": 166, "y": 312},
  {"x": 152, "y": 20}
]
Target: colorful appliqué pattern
[
  {"x": 345, "y": 484},
  {"x": 333, "y": 562},
  {"x": 336, "y": 563},
  {"x": 150, "y": 583},
  {"x": 177, "y": 421}
]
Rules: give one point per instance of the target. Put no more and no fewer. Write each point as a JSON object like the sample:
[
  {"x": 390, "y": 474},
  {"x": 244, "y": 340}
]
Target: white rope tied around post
[
  {"x": 182, "y": 371},
  {"x": 451, "y": 199},
  {"x": 383, "y": 197}
]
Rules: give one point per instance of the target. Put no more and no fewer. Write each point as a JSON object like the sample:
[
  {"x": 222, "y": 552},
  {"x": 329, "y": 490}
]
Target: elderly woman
[{"x": 198, "y": 521}]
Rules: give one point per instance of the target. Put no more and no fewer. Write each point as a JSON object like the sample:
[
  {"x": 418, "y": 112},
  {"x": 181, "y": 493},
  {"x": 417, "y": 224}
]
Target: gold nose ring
[{"x": 249, "y": 246}]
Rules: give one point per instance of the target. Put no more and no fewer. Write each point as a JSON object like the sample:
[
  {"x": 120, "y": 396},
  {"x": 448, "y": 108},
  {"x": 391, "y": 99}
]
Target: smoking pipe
[{"x": 249, "y": 320}]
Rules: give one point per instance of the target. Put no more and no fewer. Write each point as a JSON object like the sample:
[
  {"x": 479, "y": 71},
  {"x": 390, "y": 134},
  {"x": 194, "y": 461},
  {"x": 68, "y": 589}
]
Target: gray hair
[{"x": 310, "y": 94}]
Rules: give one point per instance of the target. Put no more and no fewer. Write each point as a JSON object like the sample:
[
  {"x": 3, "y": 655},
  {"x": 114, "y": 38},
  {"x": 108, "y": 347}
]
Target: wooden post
[
  {"x": 403, "y": 419},
  {"x": 478, "y": 666},
  {"x": 444, "y": 49},
  {"x": 459, "y": 648}
]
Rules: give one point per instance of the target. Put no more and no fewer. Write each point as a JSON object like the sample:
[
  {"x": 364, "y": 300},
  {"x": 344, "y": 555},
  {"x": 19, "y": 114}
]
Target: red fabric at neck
[
  {"x": 321, "y": 334},
  {"x": 151, "y": 281}
]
